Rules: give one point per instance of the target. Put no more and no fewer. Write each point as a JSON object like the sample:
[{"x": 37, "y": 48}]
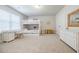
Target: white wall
[
  {"x": 9, "y": 9},
  {"x": 61, "y": 26},
  {"x": 46, "y": 22}
]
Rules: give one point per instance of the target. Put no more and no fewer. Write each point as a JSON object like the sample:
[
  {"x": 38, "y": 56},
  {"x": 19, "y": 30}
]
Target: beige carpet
[{"x": 34, "y": 43}]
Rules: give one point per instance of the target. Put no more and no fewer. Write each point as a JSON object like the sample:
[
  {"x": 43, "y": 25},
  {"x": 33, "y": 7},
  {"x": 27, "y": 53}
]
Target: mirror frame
[{"x": 69, "y": 16}]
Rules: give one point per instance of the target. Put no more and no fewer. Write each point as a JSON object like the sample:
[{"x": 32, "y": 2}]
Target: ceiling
[{"x": 31, "y": 10}]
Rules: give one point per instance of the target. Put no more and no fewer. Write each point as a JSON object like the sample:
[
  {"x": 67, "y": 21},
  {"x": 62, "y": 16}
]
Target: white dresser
[{"x": 8, "y": 36}]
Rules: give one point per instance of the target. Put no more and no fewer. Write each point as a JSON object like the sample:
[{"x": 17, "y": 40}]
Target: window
[
  {"x": 15, "y": 22},
  {"x": 4, "y": 20},
  {"x": 9, "y": 22}
]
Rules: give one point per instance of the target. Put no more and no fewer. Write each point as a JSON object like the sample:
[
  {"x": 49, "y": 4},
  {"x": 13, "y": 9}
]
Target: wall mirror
[{"x": 73, "y": 18}]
